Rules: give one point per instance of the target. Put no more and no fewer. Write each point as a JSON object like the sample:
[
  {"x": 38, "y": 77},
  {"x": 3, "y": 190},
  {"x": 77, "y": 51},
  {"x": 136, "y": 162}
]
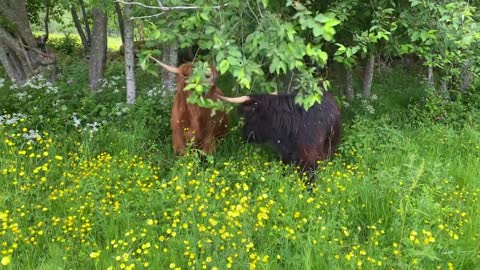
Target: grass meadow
[
  {"x": 91, "y": 183},
  {"x": 59, "y": 38}
]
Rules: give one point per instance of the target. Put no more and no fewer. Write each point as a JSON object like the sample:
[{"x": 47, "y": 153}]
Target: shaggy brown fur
[{"x": 193, "y": 123}]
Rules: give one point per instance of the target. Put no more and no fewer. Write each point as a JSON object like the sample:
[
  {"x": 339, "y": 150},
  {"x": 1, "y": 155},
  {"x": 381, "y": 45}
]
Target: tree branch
[
  {"x": 147, "y": 16},
  {"x": 85, "y": 21},
  {"x": 163, "y": 8}
]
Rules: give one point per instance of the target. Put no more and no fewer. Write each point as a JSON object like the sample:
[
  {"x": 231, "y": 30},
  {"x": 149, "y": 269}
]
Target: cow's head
[
  {"x": 257, "y": 113},
  {"x": 185, "y": 70}
]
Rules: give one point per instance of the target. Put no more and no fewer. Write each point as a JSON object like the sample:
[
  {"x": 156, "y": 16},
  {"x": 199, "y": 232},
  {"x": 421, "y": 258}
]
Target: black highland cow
[{"x": 300, "y": 136}]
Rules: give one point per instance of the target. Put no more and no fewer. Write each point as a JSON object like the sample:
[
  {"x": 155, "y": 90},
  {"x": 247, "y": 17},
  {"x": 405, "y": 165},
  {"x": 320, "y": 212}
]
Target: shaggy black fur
[{"x": 301, "y": 137}]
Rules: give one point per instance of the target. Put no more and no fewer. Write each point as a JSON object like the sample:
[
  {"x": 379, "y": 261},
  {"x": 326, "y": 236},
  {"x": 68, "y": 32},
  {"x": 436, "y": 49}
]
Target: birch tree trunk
[
  {"x": 98, "y": 50},
  {"x": 129, "y": 54},
  {"x": 368, "y": 76},
  {"x": 170, "y": 57}
]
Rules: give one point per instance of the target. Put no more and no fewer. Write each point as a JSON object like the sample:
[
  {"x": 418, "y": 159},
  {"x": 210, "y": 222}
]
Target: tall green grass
[{"x": 402, "y": 192}]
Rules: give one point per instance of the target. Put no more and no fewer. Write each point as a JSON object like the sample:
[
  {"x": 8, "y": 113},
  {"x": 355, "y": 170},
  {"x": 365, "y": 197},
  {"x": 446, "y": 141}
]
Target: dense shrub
[{"x": 454, "y": 108}]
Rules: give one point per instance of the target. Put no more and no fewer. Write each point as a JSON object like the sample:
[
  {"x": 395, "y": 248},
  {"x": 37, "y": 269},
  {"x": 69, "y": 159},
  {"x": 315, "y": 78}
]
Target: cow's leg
[
  {"x": 208, "y": 145},
  {"x": 309, "y": 155},
  {"x": 178, "y": 140}
]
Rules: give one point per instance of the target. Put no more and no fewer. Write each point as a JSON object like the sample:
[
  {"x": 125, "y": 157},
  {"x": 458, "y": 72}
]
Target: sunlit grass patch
[{"x": 113, "y": 42}]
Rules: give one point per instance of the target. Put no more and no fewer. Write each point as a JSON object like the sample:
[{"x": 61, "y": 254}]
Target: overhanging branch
[
  {"x": 164, "y": 8},
  {"x": 147, "y": 16}
]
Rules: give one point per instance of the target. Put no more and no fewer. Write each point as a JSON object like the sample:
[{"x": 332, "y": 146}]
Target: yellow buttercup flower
[{"x": 6, "y": 260}]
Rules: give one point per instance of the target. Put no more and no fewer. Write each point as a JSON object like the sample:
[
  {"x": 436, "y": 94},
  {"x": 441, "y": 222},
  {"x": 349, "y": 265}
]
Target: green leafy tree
[
  {"x": 445, "y": 34},
  {"x": 252, "y": 41}
]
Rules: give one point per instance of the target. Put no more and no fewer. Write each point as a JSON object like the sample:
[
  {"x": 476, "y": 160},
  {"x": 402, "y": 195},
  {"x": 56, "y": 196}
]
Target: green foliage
[
  {"x": 456, "y": 108},
  {"x": 275, "y": 38},
  {"x": 444, "y": 33},
  {"x": 272, "y": 44},
  {"x": 37, "y": 11}
]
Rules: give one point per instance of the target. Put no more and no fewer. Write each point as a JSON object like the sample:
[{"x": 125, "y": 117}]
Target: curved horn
[
  {"x": 236, "y": 100},
  {"x": 165, "y": 66},
  {"x": 275, "y": 93}
]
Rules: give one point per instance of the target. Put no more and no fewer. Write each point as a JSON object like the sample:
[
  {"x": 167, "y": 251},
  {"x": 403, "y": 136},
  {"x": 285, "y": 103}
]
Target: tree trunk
[
  {"x": 141, "y": 31},
  {"x": 349, "y": 94},
  {"x": 20, "y": 54},
  {"x": 78, "y": 26},
  {"x": 121, "y": 25},
  {"x": 87, "y": 25},
  {"x": 368, "y": 76},
  {"x": 430, "y": 79},
  {"x": 467, "y": 76},
  {"x": 11, "y": 64},
  {"x": 129, "y": 54},
  {"x": 444, "y": 86},
  {"x": 16, "y": 12},
  {"x": 47, "y": 19},
  {"x": 170, "y": 57},
  {"x": 98, "y": 51}
]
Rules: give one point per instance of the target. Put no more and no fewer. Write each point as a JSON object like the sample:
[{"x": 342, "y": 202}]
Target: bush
[
  {"x": 67, "y": 44},
  {"x": 455, "y": 108}
]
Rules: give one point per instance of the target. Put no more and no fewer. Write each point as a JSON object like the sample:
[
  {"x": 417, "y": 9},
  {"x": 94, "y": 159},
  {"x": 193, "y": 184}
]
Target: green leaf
[
  {"x": 323, "y": 57},
  {"x": 210, "y": 29},
  {"x": 321, "y": 18},
  {"x": 341, "y": 49},
  {"x": 204, "y": 16},
  {"x": 143, "y": 62},
  {"x": 290, "y": 32},
  {"x": 317, "y": 30},
  {"x": 199, "y": 88},
  {"x": 414, "y": 2},
  {"x": 223, "y": 66},
  {"x": 235, "y": 52},
  {"x": 190, "y": 86},
  {"x": 233, "y": 61},
  {"x": 273, "y": 66},
  {"x": 220, "y": 56}
]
